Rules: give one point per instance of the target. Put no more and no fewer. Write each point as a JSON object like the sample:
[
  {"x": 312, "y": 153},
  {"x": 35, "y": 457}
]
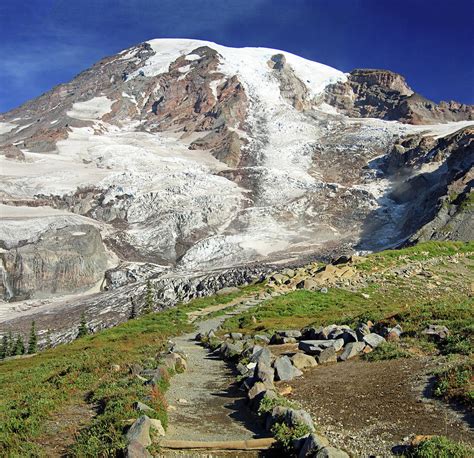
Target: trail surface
[{"x": 206, "y": 403}]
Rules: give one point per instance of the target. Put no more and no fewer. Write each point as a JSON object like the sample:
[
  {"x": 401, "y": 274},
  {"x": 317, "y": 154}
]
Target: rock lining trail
[{"x": 206, "y": 403}]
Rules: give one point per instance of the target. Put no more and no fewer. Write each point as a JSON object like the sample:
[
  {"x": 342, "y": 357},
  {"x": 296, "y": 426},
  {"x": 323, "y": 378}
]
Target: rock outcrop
[{"x": 386, "y": 95}]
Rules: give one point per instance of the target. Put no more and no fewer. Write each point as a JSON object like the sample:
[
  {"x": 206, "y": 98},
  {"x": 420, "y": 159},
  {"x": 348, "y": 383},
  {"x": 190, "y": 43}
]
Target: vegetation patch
[
  {"x": 456, "y": 383},
  {"x": 387, "y": 350},
  {"x": 34, "y": 389},
  {"x": 440, "y": 447}
]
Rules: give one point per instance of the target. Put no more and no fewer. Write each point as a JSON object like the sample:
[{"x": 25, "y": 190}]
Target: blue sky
[{"x": 431, "y": 42}]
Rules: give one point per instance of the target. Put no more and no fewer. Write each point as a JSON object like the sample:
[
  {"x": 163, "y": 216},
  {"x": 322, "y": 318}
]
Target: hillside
[{"x": 93, "y": 384}]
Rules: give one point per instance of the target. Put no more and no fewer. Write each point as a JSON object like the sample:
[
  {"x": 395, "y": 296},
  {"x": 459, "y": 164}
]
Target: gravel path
[{"x": 206, "y": 403}]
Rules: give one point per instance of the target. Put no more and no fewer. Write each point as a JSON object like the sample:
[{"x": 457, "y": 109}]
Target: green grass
[
  {"x": 33, "y": 390},
  {"x": 387, "y": 350},
  {"x": 441, "y": 447},
  {"x": 455, "y": 383},
  {"x": 390, "y": 300}
]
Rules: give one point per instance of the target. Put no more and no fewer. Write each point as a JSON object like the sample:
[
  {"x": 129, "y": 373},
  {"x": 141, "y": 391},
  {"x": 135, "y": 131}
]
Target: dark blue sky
[{"x": 46, "y": 42}]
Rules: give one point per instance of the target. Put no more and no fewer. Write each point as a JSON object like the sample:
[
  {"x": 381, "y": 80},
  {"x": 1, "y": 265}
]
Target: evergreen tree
[
  {"x": 133, "y": 310},
  {"x": 33, "y": 341},
  {"x": 19, "y": 348},
  {"x": 10, "y": 344},
  {"x": 83, "y": 330},
  {"x": 49, "y": 342},
  {"x": 4, "y": 350},
  {"x": 149, "y": 302}
]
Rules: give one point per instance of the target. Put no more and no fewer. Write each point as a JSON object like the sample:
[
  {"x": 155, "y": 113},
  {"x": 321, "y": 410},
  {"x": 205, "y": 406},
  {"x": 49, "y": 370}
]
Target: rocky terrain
[{"x": 177, "y": 159}]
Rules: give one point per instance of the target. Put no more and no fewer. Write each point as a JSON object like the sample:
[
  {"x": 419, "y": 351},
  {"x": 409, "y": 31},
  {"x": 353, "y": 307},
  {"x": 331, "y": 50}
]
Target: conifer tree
[
  {"x": 83, "y": 330},
  {"x": 33, "y": 341},
  {"x": 49, "y": 342},
  {"x": 149, "y": 302},
  {"x": 19, "y": 348},
  {"x": 133, "y": 310},
  {"x": 4, "y": 350}
]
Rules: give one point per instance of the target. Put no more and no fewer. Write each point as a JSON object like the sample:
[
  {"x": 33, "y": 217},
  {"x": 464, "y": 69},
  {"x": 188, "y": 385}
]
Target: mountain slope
[{"x": 187, "y": 156}]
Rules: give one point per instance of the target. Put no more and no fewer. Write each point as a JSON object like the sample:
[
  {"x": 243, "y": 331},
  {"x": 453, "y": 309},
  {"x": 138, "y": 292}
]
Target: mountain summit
[{"x": 186, "y": 156}]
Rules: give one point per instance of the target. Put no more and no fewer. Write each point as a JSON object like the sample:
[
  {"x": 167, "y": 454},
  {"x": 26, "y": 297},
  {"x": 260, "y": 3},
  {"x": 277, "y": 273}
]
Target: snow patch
[
  {"x": 91, "y": 109},
  {"x": 6, "y": 127}
]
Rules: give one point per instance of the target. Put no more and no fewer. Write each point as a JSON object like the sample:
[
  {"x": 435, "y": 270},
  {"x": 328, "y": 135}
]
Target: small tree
[
  {"x": 4, "y": 350},
  {"x": 19, "y": 348},
  {"x": 149, "y": 302},
  {"x": 10, "y": 344},
  {"x": 133, "y": 310},
  {"x": 83, "y": 330},
  {"x": 33, "y": 340},
  {"x": 49, "y": 342}
]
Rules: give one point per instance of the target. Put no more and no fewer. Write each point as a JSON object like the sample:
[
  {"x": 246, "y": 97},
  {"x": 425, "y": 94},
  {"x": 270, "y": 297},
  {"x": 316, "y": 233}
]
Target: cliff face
[
  {"x": 386, "y": 95},
  {"x": 62, "y": 260}
]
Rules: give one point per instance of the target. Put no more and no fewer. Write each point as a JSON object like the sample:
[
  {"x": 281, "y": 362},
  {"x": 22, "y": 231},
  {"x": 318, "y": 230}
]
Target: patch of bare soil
[
  {"x": 367, "y": 408},
  {"x": 63, "y": 428}
]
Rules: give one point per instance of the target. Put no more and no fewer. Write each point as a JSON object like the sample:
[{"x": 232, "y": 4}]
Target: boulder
[
  {"x": 437, "y": 332},
  {"x": 140, "y": 431},
  {"x": 348, "y": 335},
  {"x": 262, "y": 355},
  {"x": 284, "y": 370},
  {"x": 362, "y": 330},
  {"x": 294, "y": 417},
  {"x": 174, "y": 361},
  {"x": 295, "y": 333},
  {"x": 373, "y": 339},
  {"x": 302, "y": 361},
  {"x": 314, "y": 347},
  {"x": 279, "y": 279},
  {"x": 142, "y": 407},
  {"x": 157, "y": 427},
  {"x": 331, "y": 452},
  {"x": 136, "y": 450},
  {"x": 231, "y": 350},
  {"x": 328, "y": 355},
  {"x": 155, "y": 376},
  {"x": 265, "y": 373},
  {"x": 351, "y": 350},
  {"x": 236, "y": 335},
  {"x": 261, "y": 338},
  {"x": 312, "y": 444},
  {"x": 256, "y": 393},
  {"x": 393, "y": 334},
  {"x": 309, "y": 284},
  {"x": 277, "y": 415}
]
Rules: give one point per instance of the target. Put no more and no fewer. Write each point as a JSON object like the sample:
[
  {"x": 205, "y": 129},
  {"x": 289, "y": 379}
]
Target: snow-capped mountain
[{"x": 187, "y": 156}]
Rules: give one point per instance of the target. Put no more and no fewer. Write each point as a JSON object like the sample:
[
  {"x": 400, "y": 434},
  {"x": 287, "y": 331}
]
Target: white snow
[
  {"x": 6, "y": 127},
  {"x": 91, "y": 110}
]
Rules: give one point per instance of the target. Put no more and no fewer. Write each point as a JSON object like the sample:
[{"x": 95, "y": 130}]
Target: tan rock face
[{"x": 386, "y": 95}]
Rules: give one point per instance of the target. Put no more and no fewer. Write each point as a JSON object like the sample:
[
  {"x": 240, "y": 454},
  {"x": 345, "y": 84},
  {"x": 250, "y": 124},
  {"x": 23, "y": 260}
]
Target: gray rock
[
  {"x": 313, "y": 443},
  {"x": 262, "y": 338},
  {"x": 362, "y": 330},
  {"x": 290, "y": 333},
  {"x": 265, "y": 373},
  {"x": 373, "y": 339},
  {"x": 295, "y": 417},
  {"x": 227, "y": 290},
  {"x": 263, "y": 355},
  {"x": 142, "y": 407},
  {"x": 231, "y": 350},
  {"x": 327, "y": 355},
  {"x": 348, "y": 335},
  {"x": 437, "y": 332},
  {"x": 314, "y": 347},
  {"x": 236, "y": 335},
  {"x": 136, "y": 450},
  {"x": 302, "y": 361},
  {"x": 284, "y": 370},
  {"x": 140, "y": 431},
  {"x": 351, "y": 350},
  {"x": 155, "y": 376},
  {"x": 278, "y": 414},
  {"x": 331, "y": 452}
]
